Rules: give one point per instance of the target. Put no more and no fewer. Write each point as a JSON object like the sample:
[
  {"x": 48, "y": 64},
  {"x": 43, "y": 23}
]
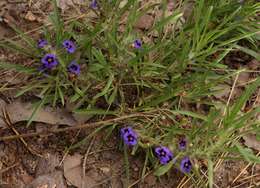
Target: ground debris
[
  {"x": 52, "y": 180},
  {"x": 252, "y": 142},
  {"x": 73, "y": 172},
  {"x": 19, "y": 111}
]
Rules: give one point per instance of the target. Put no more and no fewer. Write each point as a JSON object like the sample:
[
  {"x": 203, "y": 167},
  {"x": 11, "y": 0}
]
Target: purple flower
[
  {"x": 164, "y": 154},
  {"x": 74, "y": 68},
  {"x": 129, "y": 136},
  {"x": 49, "y": 61},
  {"x": 42, "y": 43},
  {"x": 94, "y": 4},
  {"x": 186, "y": 165},
  {"x": 182, "y": 144},
  {"x": 137, "y": 44},
  {"x": 69, "y": 46}
]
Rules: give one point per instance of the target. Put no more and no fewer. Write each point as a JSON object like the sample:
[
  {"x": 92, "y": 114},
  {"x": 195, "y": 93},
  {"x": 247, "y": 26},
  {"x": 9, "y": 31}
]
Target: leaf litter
[{"x": 21, "y": 111}]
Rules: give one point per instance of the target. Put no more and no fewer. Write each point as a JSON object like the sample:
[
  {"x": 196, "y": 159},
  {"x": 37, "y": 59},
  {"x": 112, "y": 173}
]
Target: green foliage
[{"x": 178, "y": 67}]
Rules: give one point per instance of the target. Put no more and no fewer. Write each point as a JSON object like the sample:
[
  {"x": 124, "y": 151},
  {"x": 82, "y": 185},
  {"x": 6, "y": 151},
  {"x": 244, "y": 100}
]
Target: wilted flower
[
  {"x": 49, "y": 61},
  {"x": 182, "y": 144},
  {"x": 42, "y": 43},
  {"x": 164, "y": 154},
  {"x": 94, "y": 4},
  {"x": 74, "y": 68},
  {"x": 186, "y": 165},
  {"x": 137, "y": 44},
  {"x": 69, "y": 46},
  {"x": 129, "y": 136}
]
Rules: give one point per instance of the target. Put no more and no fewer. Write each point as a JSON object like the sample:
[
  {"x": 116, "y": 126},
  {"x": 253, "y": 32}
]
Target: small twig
[
  {"x": 243, "y": 170},
  {"x": 184, "y": 183},
  {"x": 8, "y": 122},
  {"x": 140, "y": 179},
  {"x": 205, "y": 175},
  {"x": 84, "y": 126},
  {"x": 231, "y": 93},
  {"x": 181, "y": 182},
  {"x": 104, "y": 181},
  {"x": 85, "y": 162},
  {"x": 67, "y": 151},
  {"x": 8, "y": 168}
]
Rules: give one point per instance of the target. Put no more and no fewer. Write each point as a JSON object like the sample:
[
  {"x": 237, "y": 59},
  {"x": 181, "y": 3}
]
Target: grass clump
[{"x": 105, "y": 66}]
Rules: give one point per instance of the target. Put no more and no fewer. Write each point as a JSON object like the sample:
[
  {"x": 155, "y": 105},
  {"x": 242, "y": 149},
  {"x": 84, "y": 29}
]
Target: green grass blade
[
  {"x": 241, "y": 101},
  {"x": 163, "y": 169},
  {"x": 210, "y": 173},
  {"x": 17, "y": 67},
  {"x": 249, "y": 52},
  {"x": 94, "y": 111},
  {"x": 106, "y": 88},
  {"x": 37, "y": 107}
]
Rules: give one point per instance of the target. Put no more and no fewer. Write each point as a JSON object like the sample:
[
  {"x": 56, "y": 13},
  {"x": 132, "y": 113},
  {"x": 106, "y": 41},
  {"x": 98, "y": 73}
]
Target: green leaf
[
  {"x": 17, "y": 67},
  {"x": 189, "y": 113},
  {"x": 99, "y": 56},
  {"x": 61, "y": 96},
  {"x": 210, "y": 173},
  {"x": 112, "y": 96},
  {"x": 95, "y": 111},
  {"x": 249, "y": 52},
  {"x": 167, "y": 20},
  {"x": 28, "y": 88},
  {"x": 27, "y": 39},
  {"x": 57, "y": 22},
  {"x": 16, "y": 47},
  {"x": 241, "y": 101},
  {"x": 37, "y": 107},
  {"x": 163, "y": 169},
  {"x": 247, "y": 154},
  {"x": 165, "y": 96},
  {"x": 106, "y": 88}
]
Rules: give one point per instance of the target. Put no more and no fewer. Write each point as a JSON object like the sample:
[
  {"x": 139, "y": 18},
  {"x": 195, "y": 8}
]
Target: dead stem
[{"x": 84, "y": 126}]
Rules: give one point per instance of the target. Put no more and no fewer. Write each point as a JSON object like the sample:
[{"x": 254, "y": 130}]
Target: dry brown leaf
[
  {"x": 254, "y": 64},
  {"x": 243, "y": 78},
  {"x": 145, "y": 22},
  {"x": 250, "y": 141},
  {"x": 30, "y": 16},
  {"x": 47, "y": 164},
  {"x": 222, "y": 91},
  {"x": 53, "y": 180},
  {"x": 73, "y": 172},
  {"x": 2, "y": 107},
  {"x": 19, "y": 111},
  {"x": 66, "y": 4}
]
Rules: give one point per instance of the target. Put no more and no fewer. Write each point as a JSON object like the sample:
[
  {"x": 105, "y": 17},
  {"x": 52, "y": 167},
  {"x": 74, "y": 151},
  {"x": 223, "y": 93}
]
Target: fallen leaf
[
  {"x": 47, "y": 164},
  {"x": 30, "y": 16},
  {"x": 251, "y": 141},
  {"x": 53, "y": 180},
  {"x": 73, "y": 172},
  {"x": 2, "y": 107},
  {"x": 19, "y": 111},
  {"x": 150, "y": 180},
  {"x": 66, "y": 4},
  {"x": 221, "y": 91},
  {"x": 145, "y": 22},
  {"x": 254, "y": 64},
  {"x": 243, "y": 77}
]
